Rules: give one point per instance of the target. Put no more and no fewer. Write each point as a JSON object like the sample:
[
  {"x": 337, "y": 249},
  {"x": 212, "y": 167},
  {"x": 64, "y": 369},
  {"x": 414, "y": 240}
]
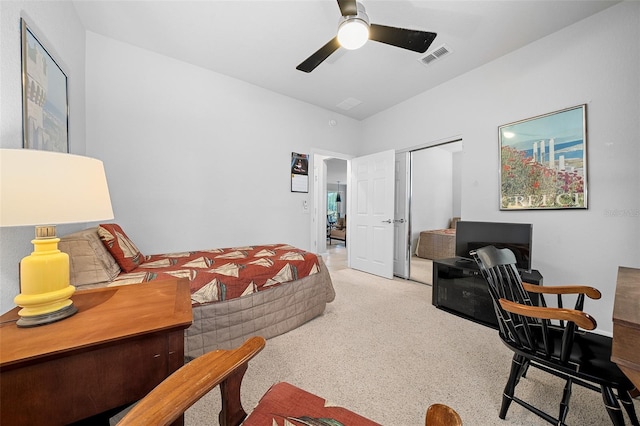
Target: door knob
[
  {"x": 399, "y": 220},
  {"x": 387, "y": 221}
]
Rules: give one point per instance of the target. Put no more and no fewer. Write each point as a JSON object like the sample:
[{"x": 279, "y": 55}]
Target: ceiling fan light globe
[{"x": 353, "y": 33}]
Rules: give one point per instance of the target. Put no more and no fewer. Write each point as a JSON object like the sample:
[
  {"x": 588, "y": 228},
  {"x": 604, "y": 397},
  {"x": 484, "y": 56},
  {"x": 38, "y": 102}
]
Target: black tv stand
[{"x": 459, "y": 288}]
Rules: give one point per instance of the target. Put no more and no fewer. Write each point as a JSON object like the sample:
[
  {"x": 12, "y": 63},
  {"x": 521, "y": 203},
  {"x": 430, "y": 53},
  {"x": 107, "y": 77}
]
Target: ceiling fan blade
[
  {"x": 348, "y": 7},
  {"x": 317, "y": 58},
  {"x": 418, "y": 41}
]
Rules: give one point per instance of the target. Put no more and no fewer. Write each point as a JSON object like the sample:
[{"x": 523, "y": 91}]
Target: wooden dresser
[
  {"x": 122, "y": 342},
  {"x": 626, "y": 324}
]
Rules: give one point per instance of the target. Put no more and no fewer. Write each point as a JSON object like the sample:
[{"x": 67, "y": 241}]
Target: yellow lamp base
[
  {"x": 44, "y": 281},
  {"x": 43, "y": 319}
]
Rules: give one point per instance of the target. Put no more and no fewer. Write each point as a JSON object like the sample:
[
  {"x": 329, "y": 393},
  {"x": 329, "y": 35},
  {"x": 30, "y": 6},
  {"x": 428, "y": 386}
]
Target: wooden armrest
[
  {"x": 167, "y": 401},
  {"x": 591, "y": 292},
  {"x": 581, "y": 319}
]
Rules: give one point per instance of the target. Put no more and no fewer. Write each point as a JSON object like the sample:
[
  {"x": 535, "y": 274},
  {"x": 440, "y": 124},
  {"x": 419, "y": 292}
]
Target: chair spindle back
[{"x": 498, "y": 267}]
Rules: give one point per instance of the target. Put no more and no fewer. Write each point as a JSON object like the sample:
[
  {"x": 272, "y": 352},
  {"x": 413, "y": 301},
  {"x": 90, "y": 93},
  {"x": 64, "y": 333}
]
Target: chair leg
[
  {"x": 564, "y": 404},
  {"x": 523, "y": 370},
  {"x": 507, "y": 395},
  {"x": 612, "y": 406},
  {"x": 627, "y": 403}
]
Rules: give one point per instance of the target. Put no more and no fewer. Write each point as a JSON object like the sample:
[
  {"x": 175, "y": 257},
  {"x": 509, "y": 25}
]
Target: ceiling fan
[{"x": 354, "y": 30}]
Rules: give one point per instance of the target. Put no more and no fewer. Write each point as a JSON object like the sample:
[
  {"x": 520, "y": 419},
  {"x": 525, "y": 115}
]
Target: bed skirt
[{"x": 266, "y": 313}]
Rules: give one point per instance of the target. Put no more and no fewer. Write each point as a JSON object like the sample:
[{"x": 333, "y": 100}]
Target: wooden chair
[
  {"x": 549, "y": 338},
  {"x": 171, "y": 398}
]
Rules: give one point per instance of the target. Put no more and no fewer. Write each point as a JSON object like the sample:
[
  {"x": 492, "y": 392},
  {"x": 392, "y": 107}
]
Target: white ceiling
[{"x": 261, "y": 42}]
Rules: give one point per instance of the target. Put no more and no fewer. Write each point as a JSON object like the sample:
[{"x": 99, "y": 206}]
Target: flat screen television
[{"x": 515, "y": 236}]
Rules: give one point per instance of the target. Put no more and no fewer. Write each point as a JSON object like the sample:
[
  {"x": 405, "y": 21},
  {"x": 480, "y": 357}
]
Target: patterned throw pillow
[{"x": 120, "y": 246}]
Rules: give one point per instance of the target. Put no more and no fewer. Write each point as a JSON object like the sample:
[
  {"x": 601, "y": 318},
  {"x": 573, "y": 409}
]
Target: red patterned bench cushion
[{"x": 284, "y": 402}]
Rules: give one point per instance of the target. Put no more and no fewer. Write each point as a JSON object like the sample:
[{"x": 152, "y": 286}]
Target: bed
[
  {"x": 238, "y": 292},
  {"x": 438, "y": 243}
]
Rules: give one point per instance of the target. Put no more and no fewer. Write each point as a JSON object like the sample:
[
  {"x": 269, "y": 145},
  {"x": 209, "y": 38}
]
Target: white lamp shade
[{"x": 44, "y": 187}]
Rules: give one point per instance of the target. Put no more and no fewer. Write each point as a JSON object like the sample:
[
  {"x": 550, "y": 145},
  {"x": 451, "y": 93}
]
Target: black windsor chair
[{"x": 552, "y": 339}]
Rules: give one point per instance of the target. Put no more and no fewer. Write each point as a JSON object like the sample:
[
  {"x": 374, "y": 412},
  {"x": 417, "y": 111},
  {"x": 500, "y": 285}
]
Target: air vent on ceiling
[
  {"x": 435, "y": 54},
  {"x": 349, "y": 103}
]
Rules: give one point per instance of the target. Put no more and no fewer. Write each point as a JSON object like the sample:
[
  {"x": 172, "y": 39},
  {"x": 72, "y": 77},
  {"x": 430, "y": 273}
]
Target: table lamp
[{"x": 40, "y": 188}]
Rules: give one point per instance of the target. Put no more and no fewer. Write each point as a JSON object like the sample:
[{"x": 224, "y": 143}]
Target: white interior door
[
  {"x": 371, "y": 213},
  {"x": 401, "y": 245}
]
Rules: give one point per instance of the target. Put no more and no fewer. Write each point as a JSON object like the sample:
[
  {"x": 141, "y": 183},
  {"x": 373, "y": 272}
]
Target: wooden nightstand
[
  {"x": 122, "y": 342},
  {"x": 625, "y": 349}
]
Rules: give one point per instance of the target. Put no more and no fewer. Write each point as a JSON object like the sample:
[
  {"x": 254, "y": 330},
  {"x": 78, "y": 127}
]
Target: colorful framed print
[
  {"x": 44, "y": 97},
  {"x": 543, "y": 161}
]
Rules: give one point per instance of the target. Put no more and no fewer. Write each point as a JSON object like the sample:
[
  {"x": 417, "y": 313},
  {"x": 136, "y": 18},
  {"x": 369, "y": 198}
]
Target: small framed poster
[{"x": 299, "y": 172}]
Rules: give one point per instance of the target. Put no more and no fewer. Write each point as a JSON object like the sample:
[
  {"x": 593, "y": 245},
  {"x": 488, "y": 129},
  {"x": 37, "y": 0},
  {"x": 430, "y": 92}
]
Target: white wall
[
  {"x": 198, "y": 160},
  {"x": 58, "y": 28},
  {"x": 597, "y": 62}
]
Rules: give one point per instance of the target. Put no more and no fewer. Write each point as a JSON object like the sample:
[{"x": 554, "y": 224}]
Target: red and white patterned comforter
[{"x": 227, "y": 273}]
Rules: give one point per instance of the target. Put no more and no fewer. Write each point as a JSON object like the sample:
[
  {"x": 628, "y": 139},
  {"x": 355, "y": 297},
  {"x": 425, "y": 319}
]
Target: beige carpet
[{"x": 382, "y": 350}]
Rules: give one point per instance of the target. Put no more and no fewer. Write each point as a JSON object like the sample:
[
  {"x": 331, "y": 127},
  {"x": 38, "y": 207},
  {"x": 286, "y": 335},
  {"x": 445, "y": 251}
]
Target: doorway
[
  {"x": 336, "y": 196},
  {"x": 369, "y": 208},
  {"x": 435, "y": 199},
  {"x": 321, "y": 163}
]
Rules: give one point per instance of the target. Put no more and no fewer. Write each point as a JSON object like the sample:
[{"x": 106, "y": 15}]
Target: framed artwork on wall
[
  {"x": 543, "y": 161},
  {"x": 299, "y": 172},
  {"x": 45, "y": 106}
]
